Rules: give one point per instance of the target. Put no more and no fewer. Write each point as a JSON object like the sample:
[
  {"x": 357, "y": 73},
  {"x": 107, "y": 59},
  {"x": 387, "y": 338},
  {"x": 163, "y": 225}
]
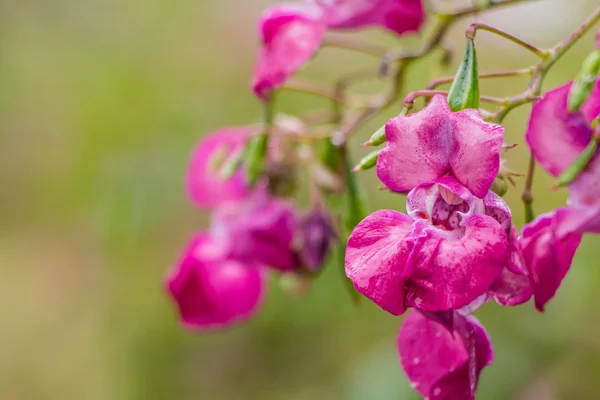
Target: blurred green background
[{"x": 101, "y": 102}]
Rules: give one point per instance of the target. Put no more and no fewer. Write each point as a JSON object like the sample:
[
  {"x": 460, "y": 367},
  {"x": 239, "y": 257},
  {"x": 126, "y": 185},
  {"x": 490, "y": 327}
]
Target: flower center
[{"x": 447, "y": 209}]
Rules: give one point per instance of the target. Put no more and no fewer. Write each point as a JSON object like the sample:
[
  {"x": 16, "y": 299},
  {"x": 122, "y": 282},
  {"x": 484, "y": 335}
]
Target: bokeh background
[{"x": 101, "y": 102}]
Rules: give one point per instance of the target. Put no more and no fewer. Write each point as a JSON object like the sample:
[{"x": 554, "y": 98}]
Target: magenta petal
[
  {"x": 291, "y": 34},
  {"x": 260, "y": 230},
  {"x": 497, "y": 208},
  {"x": 399, "y": 16},
  {"x": 375, "y": 256},
  {"x": 450, "y": 269},
  {"x": 418, "y": 147},
  {"x": 475, "y": 159},
  {"x": 204, "y": 184},
  {"x": 548, "y": 249},
  {"x": 437, "y": 361},
  {"x": 555, "y": 135},
  {"x": 213, "y": 292}
]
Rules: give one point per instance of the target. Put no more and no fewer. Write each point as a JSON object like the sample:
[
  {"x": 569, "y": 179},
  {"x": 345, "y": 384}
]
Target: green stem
[{"x": 473, "y": 28}]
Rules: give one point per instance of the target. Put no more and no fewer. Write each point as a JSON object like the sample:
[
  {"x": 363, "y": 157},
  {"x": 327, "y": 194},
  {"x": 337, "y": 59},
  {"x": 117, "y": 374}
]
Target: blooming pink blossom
[
  {"x": 435, "y": 141},
  {"x": 291, "y": 34},
  {"x": 441, "y": 363},
  {"x": 205, "y": 187},
  {"x": 549, "y": 244},
  {"x": 399, "y": 16},
  {"x": 259, "y": 230},
  {"x": 211, "y": 290},
  {"x": 556, "y": 137},
  {"x": 444, "y": 255}
]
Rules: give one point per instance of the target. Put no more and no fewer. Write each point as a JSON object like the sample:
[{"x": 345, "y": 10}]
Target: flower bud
[
  {"x": 585, "y": 81},
  {"x": 316, "y": 233},
  {"x": 464, "y": 92},
  {"x": 499, "y": 186},
  {"x": 367, "y": 162}
]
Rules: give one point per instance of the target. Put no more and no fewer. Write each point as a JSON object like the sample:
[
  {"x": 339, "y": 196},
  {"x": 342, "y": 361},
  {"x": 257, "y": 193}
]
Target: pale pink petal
[
  {"x": 399, "y": 16},
  {"x": 375, "y": 257},
  {"x": 291, "y": 34},
  {"x": 440, "y": 363},
  {"x": 211, "y": 291},
  {"x": 205, "y": 186},
  {"x": 260, "y": 230},
  {"x": 555, "y": 135},
  {"x": 475, "y": 158},
  {"x": 450, "y": 269},
  {"x": 418, "y": 147},
  {"x": 548, "y": 248}
]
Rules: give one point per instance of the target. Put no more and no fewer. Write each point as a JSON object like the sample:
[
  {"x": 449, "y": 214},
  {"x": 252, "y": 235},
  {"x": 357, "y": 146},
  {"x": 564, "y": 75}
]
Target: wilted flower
[
  {"x": 205, "y": 186},
  {"x": 435, "y": 141},
  {"x": 316, "y": 234},
  {"x": 211, "y": 290},
  {"x": 442, "y": 363},
  {"x": 444, "y": 255},
  {"x": 259, "y": 230},
  {"x": 548, "y": 245},
  {"x": 292, "y": 33}
]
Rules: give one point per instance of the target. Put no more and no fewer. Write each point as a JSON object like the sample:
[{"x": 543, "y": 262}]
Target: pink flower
[
  {"x": 291, "y": 34},
  {"x": 444, "y": 255},
  {"x": 211, "y": 290},
  {"x": 549, "y": 244},
  {"x": 442, "y": 363},
  {"x": 399, "y": 16},
  {"x": 556, "y": 137},
  {"x": 205, "y": 187},
  {"x": 260, "y": 230},
  {"x": 435, "y": 141}
]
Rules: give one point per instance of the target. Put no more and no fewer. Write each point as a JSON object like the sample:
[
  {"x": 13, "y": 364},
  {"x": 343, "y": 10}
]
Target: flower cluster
[{"x": 455, "y": 248}]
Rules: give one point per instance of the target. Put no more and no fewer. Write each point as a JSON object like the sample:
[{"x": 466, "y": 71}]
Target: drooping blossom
[
  {"x": 292, "y": 33},
  {"x": 316, "y": 234},
  {"x": 211, "y": 290},
  {"x": 443, "y": 255},
  {"x": 398, "y": 16},
  {"x": 205, "y": 187},
  {"x": 442, "y": 363},
  {"x": 435, "y": 141},
  {"x": 259, "y": 230},
  {"x": 549, "y": 244}
]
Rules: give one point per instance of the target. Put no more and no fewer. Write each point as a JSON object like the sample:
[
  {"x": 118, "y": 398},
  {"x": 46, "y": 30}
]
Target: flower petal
[
  {"x": 375, "y": 256},
  {"x": 449, "y": 271},
  {"x": 213, "y": 292},
  {"x": 399, "y": 16},
  {"x": 497, "y": 208},
  {"x": 204, "y": 184},
  {"x": 418, "y": 147},
  {"x": 557, "y": 136},
  {"x": 437, "y": 361},
  {"x": 260, "y": 230},
  {"x": 475, "y": 159},
  {"x": 548, "y": 248},
  {"x": 291, "y": 34}
]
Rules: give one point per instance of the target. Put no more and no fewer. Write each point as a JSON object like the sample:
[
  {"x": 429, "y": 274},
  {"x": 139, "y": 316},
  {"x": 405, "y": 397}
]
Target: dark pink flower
[
  {"x": 399, "y": 16},
  {"x": 259, "y": 230},
  {"x": 290, "y": 34},
  {"x": 435, "y": 141},
  {"x": 211, "y": 290},
  {"x": 316, "y": 234},
  {"x": 443, "y": 364},
  {"x": 205, "y": 187},
  {"x": 444, "y": 255},
  {"x": 549, "y": 244}
]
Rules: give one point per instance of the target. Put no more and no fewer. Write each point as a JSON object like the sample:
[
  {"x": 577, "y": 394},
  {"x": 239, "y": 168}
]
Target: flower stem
[
  {"x": 473, "y": 28},
  {"x": 526, "y": 196},
  {"x": 484, "y": 75},
  {"x": 348, "y": 43},
  {"x": 316, "y": 89}
]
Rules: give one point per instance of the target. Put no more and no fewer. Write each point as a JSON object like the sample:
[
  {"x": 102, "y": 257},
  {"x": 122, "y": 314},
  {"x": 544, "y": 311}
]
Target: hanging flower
[
  {"x": 211, "y": 290},
  {"x": 435, "y": 141},
  {"x": 443, "y": 255}
]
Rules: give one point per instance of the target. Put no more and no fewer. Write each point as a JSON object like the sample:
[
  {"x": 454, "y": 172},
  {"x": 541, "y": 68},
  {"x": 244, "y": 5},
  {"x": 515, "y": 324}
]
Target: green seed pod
[
  {"x": 585, "y": 81},
  {"x": 257, "y": 154},
  {"x": 464, "y": 92},
  {"x": 367, "y": 162},
  {"x": 377, "y": 138},
  {"x": 580, "y": 163},
  {"x": 232, "y": 164}
]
